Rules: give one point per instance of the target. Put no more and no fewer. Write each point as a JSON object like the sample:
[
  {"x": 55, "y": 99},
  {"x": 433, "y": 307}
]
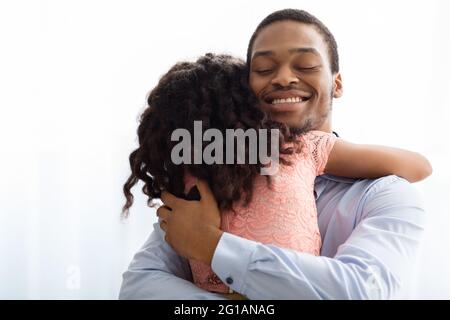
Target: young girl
[{"x": 278, "y": 209}]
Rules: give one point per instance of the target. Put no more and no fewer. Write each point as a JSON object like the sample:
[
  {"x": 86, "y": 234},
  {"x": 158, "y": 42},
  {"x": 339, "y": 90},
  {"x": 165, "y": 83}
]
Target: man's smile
[{"x": 290, "y": 100}]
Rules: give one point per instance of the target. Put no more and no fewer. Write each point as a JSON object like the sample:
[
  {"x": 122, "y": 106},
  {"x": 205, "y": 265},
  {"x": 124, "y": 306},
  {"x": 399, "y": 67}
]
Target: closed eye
[
  {"x": 263, "y": 72},
  {"x": 307, "y": 69}
]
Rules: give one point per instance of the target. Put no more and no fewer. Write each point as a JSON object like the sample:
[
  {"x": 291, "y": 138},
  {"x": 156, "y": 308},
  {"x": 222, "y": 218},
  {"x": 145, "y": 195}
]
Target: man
[{"x": 371, "y": 229}]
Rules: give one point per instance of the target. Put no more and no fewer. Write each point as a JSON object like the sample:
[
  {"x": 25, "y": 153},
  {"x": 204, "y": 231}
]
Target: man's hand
[{"x": 192, "y": 227}]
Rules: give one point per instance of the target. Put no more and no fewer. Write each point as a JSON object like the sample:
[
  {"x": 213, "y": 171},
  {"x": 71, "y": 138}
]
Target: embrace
[{"x": 336, "y": 220}]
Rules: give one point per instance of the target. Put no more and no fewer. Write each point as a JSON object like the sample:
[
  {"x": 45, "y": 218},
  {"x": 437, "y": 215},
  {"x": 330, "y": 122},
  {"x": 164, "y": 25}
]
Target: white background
[{"x": 74, "y": 77}]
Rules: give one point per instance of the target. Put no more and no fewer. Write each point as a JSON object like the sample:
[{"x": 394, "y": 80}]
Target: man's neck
[{"x": 326, "y": 126}]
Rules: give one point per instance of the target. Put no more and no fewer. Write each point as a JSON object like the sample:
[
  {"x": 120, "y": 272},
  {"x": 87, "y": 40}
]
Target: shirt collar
[
  {"x": 319, "y": 185},
  {"x": 322, "y": 181}
]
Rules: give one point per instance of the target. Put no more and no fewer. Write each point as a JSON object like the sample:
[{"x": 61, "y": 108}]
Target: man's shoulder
[
  {"x": 389, "y": 202},
  {"x": 369, "y": 186},
  {"x": 365, "y": 192}
]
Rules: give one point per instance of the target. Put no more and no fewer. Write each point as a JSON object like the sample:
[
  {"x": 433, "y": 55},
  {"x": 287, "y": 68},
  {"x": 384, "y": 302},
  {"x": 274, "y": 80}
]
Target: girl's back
[{"x": 283, "y": 214}]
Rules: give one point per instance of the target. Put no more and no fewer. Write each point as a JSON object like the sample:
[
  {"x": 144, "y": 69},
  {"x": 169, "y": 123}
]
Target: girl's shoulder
[
  {"x": 316, "y": 136},
  {"x": 317, "y": 141},
  {"x": 316, "y": 146}
]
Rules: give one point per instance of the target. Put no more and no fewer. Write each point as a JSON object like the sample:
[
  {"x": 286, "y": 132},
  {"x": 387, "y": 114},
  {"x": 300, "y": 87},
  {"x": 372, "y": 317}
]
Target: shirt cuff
[{"x": 231, "y": 260}]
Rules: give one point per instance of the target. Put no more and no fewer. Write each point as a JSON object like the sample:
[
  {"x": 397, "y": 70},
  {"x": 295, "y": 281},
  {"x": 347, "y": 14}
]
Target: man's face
[{"x": 291, "y": 76}]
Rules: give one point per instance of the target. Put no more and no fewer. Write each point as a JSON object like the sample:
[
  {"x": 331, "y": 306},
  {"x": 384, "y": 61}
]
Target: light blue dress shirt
[{"x": 371, "y": 232}]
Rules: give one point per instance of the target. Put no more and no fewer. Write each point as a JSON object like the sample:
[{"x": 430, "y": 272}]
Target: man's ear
[{"x": 338, "y": 90}]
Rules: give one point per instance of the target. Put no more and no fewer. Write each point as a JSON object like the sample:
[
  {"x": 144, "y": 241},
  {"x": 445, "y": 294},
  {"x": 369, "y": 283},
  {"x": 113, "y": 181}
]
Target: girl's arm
[{"x": 371, "y": 161}]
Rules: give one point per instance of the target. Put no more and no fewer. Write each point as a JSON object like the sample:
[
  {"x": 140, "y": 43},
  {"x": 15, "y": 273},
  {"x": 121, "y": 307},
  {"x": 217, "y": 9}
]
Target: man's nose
[{"x": 284, "y": 77}]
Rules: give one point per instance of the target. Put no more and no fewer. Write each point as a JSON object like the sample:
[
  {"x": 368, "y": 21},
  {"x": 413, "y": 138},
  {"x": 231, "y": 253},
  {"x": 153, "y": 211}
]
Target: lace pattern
[{"x": 284, "y": 215}]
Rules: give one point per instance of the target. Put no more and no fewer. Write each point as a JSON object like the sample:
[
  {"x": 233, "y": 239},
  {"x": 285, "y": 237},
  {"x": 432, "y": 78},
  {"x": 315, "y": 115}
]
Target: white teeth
[{"x": 288, "y": 100}]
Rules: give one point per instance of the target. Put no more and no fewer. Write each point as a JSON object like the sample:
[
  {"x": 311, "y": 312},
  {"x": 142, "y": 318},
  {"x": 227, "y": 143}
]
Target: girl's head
[{"x": 212, "y": 90}]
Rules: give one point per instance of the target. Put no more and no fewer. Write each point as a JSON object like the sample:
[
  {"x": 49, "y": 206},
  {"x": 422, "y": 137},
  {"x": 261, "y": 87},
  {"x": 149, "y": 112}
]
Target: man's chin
[
  {"x": 295, "y": 125},
  {"x": 299, "y": 128}
]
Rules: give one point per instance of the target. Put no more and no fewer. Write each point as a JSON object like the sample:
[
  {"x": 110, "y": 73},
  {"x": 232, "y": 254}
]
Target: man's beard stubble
[{"x": 311, "y": 123}]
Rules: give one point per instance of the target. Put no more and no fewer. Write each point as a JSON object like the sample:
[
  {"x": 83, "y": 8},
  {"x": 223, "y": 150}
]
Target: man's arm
[
  {"x": 158, "y": 272},
  {"x": 374, "y": 262}
]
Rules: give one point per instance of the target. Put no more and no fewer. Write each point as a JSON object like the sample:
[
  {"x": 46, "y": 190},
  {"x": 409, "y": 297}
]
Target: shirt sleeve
[
  {"x": 319, "y": 146},
  {"x": 374, "y": 262},
  {"x": 158, "y": 272}
]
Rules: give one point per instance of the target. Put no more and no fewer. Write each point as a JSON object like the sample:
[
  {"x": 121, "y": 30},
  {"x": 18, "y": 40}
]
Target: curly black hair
[{"x": 213, "y": 90}]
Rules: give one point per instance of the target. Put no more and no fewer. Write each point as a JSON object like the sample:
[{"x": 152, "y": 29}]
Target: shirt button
[{"x": 229, "y": 280}]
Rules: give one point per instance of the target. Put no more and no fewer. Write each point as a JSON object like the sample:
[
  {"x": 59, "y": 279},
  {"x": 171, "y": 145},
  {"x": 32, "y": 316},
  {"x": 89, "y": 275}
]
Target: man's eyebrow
[
  {"x": 291, "y": 51},
  {"x": 262, "y": 53},
  {"x": 304, "y": 50}
]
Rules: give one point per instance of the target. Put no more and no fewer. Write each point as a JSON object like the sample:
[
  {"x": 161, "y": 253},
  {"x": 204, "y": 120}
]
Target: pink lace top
[{"x": 284, "y": 215}]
